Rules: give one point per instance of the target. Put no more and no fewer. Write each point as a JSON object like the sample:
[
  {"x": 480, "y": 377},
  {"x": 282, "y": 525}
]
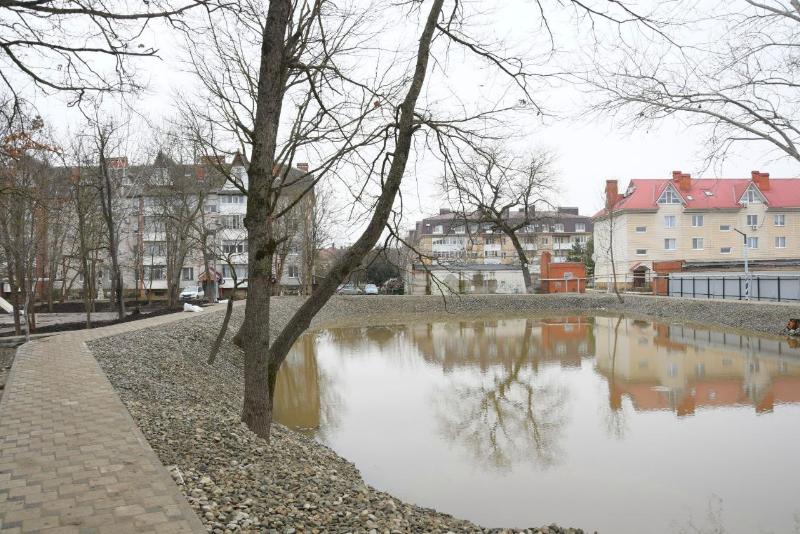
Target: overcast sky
[{"x": 587, "y": 151}]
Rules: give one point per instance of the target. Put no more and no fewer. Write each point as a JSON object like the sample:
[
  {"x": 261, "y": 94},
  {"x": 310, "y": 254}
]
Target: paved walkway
[{"x": 71, "y": 456}]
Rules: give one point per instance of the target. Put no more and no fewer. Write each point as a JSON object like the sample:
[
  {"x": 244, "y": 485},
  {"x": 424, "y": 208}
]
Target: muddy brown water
[{"x": 604, "y": 423}]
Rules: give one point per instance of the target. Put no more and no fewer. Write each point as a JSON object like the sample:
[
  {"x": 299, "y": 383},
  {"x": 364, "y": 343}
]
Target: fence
[
  {"x": 774, "y": 287},
  {"x": 778, "y": 286}
]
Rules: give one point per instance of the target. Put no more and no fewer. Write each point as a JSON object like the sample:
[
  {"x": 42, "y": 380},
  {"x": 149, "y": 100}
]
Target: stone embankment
[{"x": 189, "y": 411}]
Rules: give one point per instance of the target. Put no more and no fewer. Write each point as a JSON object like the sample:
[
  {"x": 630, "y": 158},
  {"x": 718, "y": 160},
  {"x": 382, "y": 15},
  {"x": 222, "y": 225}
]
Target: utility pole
[{"x": 746, "y": 269}]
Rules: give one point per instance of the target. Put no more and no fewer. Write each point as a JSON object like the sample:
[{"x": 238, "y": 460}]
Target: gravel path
[{"x": 189, "y": 413}]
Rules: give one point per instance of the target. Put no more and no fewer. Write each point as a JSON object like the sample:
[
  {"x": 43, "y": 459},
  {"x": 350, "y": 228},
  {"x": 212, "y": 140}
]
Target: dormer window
[
  {"x": 669, "y": 196},
  {"x": 752, "y": 196}
]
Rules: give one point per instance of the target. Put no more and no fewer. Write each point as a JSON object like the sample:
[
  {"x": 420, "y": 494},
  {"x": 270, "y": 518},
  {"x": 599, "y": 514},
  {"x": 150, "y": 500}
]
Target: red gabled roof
[{"x": 724, "y": 193}]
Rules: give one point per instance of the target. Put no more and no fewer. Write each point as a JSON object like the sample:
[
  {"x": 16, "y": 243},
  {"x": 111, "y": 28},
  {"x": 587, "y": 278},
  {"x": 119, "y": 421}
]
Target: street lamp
[{"x": 746, "y": 270}]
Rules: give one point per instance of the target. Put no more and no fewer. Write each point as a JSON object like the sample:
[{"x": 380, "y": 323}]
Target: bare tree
[
  {"x": 503, "y": 190},
  {"x": 606, "y": 226},
  {"x": 28, "y": 190},
  {"x": 301, "y": 96},
  {"x": 62, "y": 45},
  {"x": 88, "y": 228},
  {"x": 108, "y": 140},
  {"x": 739, "y": 83}
]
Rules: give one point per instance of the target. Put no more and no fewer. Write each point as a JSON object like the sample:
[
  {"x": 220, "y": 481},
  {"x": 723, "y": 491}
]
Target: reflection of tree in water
[
  {"x": 616, "y": 423},
  {"x": 511, "y": 415},
  {"x": 305, "y": 396}
]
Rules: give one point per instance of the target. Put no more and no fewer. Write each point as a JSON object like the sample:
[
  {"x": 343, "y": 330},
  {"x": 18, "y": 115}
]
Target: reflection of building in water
[
  {"x": 297, "y": 390},
  {"x": 681, "y": 368},
  {"x": 486, "y": 343}
]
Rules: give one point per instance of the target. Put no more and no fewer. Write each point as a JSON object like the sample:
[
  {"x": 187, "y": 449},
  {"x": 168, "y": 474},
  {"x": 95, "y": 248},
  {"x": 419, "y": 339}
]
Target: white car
[
  {"x": 370, "y": 289},
  {"x": 192, "y": 293}
]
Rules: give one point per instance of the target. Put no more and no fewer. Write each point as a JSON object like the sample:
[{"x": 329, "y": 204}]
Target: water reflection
[
  {"x": 601, "y": 409},
  {"x": 680, "y": 368},
  {"x": 305, "y": 398}
]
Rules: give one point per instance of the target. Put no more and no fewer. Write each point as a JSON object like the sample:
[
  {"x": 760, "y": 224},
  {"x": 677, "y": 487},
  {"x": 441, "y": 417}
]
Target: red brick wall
[{"x": 552, "y": 271}]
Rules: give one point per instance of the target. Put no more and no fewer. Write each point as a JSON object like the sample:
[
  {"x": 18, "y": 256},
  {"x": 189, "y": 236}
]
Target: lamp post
[{"x": 746, "y": 269}]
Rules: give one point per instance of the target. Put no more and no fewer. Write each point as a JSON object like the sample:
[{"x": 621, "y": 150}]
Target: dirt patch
[{"x": 6, "y": 359}]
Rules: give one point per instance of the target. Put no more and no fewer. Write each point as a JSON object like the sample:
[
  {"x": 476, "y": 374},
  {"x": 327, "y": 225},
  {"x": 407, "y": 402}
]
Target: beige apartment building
[
  {"x": 475, "y": 257},
  {"x": 697, "y": 222}
]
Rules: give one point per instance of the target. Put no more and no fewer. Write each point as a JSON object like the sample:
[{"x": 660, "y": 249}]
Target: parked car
[
  {"x": 370, "y": 289},
  {"x": 192, "y": 293},
  {"x": 348, "y": 289}
]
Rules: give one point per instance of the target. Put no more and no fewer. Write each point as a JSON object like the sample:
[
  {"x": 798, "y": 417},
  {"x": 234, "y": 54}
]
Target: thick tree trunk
[
  {"x": 259, "y": 389},
  {"x": 254, "y": 334},
  {"x": 523, "y": 258}
]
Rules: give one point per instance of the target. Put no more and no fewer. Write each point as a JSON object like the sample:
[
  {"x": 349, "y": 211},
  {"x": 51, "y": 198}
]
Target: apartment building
[
  {"x": 176, "y": 221},
  {"x": 696, "y": 222},
  {"x": 472, "y": 256},
  {"x": 209, "y": 211}
]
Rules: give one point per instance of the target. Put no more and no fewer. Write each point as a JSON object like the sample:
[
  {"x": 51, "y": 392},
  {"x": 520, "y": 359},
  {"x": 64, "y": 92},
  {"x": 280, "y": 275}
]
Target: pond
[{"x": 603, "y": 423}]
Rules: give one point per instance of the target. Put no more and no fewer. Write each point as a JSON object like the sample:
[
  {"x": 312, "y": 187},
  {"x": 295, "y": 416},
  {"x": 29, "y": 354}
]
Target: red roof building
[{"x": 695, "y": 221}]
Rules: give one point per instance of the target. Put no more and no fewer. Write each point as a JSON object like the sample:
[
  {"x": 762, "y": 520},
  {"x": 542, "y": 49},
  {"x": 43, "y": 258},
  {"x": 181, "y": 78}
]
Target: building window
[
  {"x": 459, "y": 229},
  {"x": 240, "y": 269},
  {"x": 580, "y": 227},
  {"x": 670, "y": 244},
  {"x": 724, "y": 227},
  {"x": 779, "y": 220},
  {"x": 232, "y": 222},
  {"x": 697, "y": 243},
  {"x": 293, "y": 271},
  {"x": 669, "y": 196},
  {"x": 641, "y": 251},
  {"x": 155, "y": 248},
  {"x": 559, "y": 228},
  {"x": 491, "y": 254},
  {"x": 752, "y": 242},
  {"x": 670, "y": 221},
  {"x": 780, "y": 242},
  {"x": 725, "y": 250},
  {"x": 155, "y": 272},
  {"x": 489, "y": 241},
  {"x": 697, "y": 221},
  {"x": 187, "y": 273},
  {"x": 752, "y": 220},
  {"x": 233, "y": 247},
  {"x": 232, "y": 199},
  {"x": 153, "y": 224},
  {"x": 438, "y": 229},
  {"x": 641, "y": 229},
  {"x": 211, "y": 207},
  {"x": 751, "y": 197}
]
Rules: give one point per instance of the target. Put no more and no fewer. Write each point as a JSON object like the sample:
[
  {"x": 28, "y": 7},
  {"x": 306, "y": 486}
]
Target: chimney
[
  {"x": 612, "y": 193},
  {"x": 302, "y": 167},
  {"x": 761, "y": 179},
  {"x": 682, "y": 180},
  {"x": 444, "y": 211}
]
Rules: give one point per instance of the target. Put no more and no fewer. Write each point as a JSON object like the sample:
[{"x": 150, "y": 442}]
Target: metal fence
[{"x": 773, "y": 287}]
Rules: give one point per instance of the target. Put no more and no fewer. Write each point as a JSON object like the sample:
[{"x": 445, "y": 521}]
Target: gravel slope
[{"x": 189, "y": 412}]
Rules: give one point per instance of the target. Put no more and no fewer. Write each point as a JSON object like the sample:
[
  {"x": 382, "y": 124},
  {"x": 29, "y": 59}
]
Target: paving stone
[{"x": 71, "y": 457}]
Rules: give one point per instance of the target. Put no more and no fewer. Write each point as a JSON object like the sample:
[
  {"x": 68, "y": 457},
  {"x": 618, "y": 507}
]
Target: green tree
[{"x": 581, "y": 254}]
